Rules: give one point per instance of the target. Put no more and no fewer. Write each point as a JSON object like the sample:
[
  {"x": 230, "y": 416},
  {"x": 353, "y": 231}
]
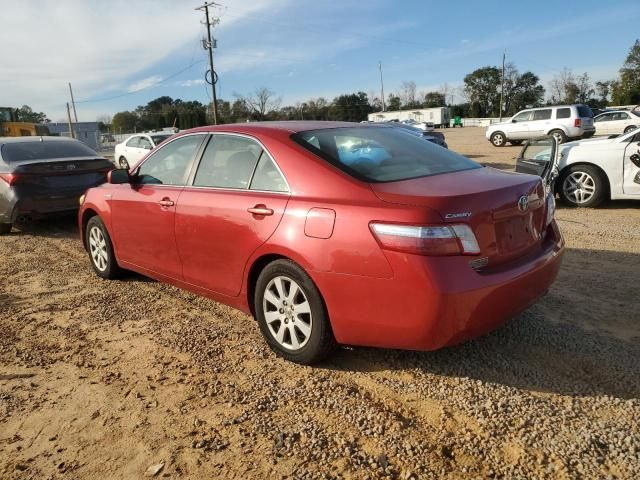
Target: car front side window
[
  {"x": 169, "y": 165},
  {"x": 522, "y": 117},
  {"x": 144, "y": 143}
]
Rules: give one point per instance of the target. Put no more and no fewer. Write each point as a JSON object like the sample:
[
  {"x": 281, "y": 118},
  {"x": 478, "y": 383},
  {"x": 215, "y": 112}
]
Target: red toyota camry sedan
[{"x": 330, "y": 233}]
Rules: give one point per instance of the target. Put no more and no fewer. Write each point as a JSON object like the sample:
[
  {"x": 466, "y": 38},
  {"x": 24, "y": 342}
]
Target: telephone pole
[
  {"x": 504, "y": 56},
  {"x": 381, "y": 86},
  {"x": 210, "y": 45},
  {"x": 73, "y": 103},
  {"x": 71, "y": 134}
]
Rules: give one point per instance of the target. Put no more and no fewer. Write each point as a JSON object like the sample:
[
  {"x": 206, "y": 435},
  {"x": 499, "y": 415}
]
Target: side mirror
[
  {"x": 118, "y": 176},
  {"x": 513, "y": 120}
]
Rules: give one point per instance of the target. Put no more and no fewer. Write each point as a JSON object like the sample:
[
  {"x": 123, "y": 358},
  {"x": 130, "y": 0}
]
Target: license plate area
[{"x": 516, "y": 233}]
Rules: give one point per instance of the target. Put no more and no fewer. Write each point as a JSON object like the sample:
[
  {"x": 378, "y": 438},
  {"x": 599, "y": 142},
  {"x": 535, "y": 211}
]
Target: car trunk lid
[{"x": 490, "y": 201}]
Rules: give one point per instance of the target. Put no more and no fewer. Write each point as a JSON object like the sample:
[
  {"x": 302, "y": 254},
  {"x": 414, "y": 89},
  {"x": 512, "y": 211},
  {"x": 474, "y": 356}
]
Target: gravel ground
[{"x": 130, "y": 378}]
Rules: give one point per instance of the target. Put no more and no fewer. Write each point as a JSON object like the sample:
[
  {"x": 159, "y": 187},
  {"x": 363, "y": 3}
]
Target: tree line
[{"x": 481, "y": 91}]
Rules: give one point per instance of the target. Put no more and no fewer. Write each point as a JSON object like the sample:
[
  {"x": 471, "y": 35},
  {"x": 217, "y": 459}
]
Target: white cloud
[
  {"x": 97, "y": 46},
  {"x": 145, "y": 83},
  {"x": 191, "y": 83}
]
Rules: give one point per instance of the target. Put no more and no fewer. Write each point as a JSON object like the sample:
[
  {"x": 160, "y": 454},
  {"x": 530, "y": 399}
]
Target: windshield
[
  {"x": 381, "y": 154},
  {"x": 637, "y": 114},
  {"x": 33, "y": 150}
]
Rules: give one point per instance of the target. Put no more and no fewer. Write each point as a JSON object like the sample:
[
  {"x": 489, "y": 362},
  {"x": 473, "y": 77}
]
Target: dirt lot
[{"x": 106, "y": 379}]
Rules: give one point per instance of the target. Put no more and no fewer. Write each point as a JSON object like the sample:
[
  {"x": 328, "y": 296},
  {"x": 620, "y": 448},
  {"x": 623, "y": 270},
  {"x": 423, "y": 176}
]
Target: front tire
[
  {"x": 123, "y": 163},
  {"x": 498, "y": 139},
  {"x": 630, "y": 128},
  {"x": 582, "y": 186},
  {"x": 5, "y": 228},
  {"x": 100, "y": 249},
  {"x": 291, "y": 314}
]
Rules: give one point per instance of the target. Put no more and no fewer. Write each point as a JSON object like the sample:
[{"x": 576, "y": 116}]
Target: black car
[{"x": 45, "y": 175}]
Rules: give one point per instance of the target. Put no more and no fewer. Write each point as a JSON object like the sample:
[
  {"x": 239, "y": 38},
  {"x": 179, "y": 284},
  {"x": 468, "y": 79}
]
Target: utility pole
[
  {"x": 210, "y": 45},
  {"x": 504, "y": 56},
  {"x": 73, "y": 103},
  {"x": 71, "y": 134},
  {"x": 381, "y": 86}
]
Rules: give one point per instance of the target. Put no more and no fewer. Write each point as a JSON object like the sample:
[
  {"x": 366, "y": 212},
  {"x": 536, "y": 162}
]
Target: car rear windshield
[
  {"x": 34, "y": 150},
  {"x": 584, "y": 111},
  {"x": 381, "y": 154}
]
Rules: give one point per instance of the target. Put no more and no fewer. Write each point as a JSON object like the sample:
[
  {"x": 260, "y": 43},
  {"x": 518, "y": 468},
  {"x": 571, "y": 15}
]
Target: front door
[
  {"x": 520, "y": 128},
  {"x": 236, "y": 200},
  {"x": 631, "y": 167},
  {"x": 143, "y": 212}
]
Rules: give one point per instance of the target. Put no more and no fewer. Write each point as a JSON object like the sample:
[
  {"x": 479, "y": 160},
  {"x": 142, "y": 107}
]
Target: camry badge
[
  {"x": 523, "y": 203},
  {"x": 457, "y": 215}
]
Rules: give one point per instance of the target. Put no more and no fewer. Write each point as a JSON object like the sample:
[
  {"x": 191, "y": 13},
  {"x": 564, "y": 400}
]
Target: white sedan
[
  {"x": 616, "y": 122},
  {"x": 590, "y": 171},
  {"x": 134, "y": 148}
]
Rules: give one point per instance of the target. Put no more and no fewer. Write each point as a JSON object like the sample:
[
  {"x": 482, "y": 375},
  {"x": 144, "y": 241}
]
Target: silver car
[{"x": 564, "y": 122}]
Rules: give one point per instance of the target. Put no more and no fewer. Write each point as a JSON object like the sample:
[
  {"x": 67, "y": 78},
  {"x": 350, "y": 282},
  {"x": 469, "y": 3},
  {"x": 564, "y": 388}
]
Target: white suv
[{"x": 563, "y": 122}]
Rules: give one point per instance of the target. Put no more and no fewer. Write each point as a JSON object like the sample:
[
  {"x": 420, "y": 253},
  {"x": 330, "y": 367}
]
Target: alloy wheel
[
  {"x": 579, "y": 187},
  {"x": 98, "y": 248},
  {"x": 287, "y": 313}
]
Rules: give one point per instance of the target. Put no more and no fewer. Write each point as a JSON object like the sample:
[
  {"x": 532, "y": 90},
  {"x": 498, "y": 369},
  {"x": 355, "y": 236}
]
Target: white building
[{"x": 438, "y": 116}]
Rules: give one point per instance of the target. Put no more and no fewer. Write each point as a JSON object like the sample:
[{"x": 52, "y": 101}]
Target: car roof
[
  {"x": 44, "y": 138},
  {"x": 291, "y": 126}
]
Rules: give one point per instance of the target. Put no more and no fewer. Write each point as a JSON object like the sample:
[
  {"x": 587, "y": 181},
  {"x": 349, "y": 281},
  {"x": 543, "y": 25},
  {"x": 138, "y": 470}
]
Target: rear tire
[
  {"x": 291, "y": 314},
  {"x": 122, "y": 163},
  {"x": 5, "y": 228},
  {"x": 559, "y": 135},
  {"x": 100, "y": 249},
  {"x": 582, "y": 186},
  {"x": 498, "y": 139},
  {"x": 630, "y": 128}
]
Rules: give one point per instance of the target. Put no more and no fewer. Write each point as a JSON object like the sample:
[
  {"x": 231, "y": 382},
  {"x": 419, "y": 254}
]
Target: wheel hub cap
[
  {"x": 287, "y": 313},
  {"x": 579, "y": 187},
  {"x": 98, "y": 249}
]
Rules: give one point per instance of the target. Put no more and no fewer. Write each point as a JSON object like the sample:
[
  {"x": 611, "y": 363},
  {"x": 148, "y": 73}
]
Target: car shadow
[
  {"x": 582, "y": 339},
  {"x": 59, "y": 226}
]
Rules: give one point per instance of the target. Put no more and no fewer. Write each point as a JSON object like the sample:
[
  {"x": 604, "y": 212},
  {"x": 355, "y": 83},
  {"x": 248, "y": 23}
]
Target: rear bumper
[
  {"x": 433, "y": 302},
  {"x": 37, "y": 207}
]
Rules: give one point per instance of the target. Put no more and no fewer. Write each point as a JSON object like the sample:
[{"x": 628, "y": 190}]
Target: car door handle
[
  {"x": 260, "y": 210},
  {"x": 165, "y": 202}
]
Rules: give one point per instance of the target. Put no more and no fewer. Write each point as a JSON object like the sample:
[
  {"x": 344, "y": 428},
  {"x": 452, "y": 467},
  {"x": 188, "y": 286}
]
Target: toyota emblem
[{"x": 523, "y": 203}]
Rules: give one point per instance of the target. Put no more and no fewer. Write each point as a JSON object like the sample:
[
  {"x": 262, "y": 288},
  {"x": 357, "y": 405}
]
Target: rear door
[
  {"x": 540, "y": 122},
  {"x": 603, "y": 123},
  {"x": 234, "y": 203},
  {"x": 143, "y": 212},
  {"x": 620, "y": 121}
]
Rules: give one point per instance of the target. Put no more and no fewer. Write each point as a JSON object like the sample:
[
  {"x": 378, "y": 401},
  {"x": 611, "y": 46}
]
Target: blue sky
[{"x": 299, "y": 49}]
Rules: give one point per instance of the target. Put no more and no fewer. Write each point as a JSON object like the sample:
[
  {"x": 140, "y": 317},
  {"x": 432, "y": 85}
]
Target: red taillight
[
  {"x": 10, "y": 178},
  {"x": 577, "y": 122},
  {"x": 427, "y": 240}
]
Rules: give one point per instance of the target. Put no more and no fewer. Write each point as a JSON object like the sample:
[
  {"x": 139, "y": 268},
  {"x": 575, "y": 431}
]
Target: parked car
[
  {"x": 45, "y": 175},
  {"x": 616, "y": 122},
  {"x": 591, "y": 171},
  {"x": 134, "y": 148},
  {"x": 563, "y": 122},
  {"x": 416, "y": 249},
  {"x": 430, "y": 136},
  {"x": 424, "y": 126}
]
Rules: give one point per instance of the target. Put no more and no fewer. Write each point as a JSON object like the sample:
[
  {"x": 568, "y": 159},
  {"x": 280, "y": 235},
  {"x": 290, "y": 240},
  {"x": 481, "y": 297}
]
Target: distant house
[{"x": 86, "y": 132}]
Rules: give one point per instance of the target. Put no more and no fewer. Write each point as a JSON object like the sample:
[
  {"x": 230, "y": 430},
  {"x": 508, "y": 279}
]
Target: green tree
[
  {"x": 626, "y": 90},
  {"x": 393, "y": 102},
  {"x": 26, "y": 114},
  {"x": 433, "y": 99},
  {"x": 482, "y": 88},
  {"x": 124, "y": 122},
  {"x": 521, "y": 90},
  {"x": 353, "y": 107}
]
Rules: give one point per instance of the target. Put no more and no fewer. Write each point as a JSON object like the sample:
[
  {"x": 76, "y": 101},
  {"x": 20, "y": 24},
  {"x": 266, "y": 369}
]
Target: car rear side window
[
  {"x": 563, "y": 113},
  {"x": 542, "y": 114},
  {"x": 228, "y": 162},
  {"x": 267, "y": 177},
  {"x": 584, "y": 111},
  {"x": 381, "y": 154},
  {"x": 169, "y": 164},
  {"x": 34, "y": 150},
  {"x": 134, "y": 142}
]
